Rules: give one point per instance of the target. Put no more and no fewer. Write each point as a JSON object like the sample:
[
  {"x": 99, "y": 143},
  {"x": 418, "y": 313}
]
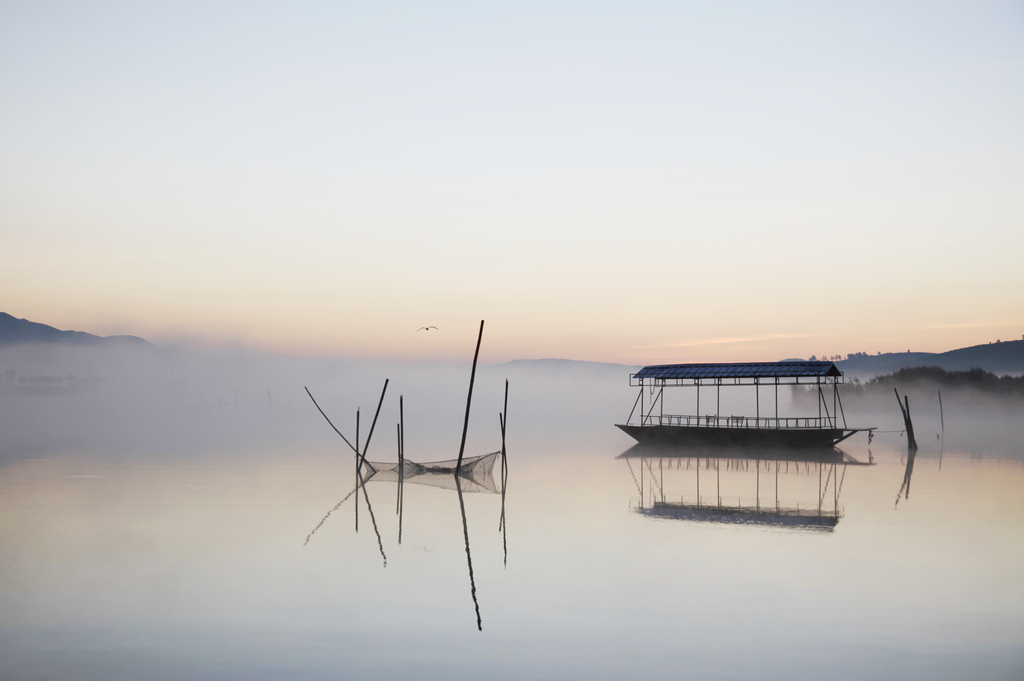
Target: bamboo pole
[
  {"x": 401, "y": 458},
  {"x": 375, "y": 415},
  {"x": 398, "y": 446},
  {"x": 469, "y": 398},
  {"x": 359, "y": 464},
  {"x": 329, "y": 421}
]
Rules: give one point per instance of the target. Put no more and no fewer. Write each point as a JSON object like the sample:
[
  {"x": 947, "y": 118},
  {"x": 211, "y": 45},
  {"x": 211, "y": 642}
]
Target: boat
[{"x": 652, "y": 426}]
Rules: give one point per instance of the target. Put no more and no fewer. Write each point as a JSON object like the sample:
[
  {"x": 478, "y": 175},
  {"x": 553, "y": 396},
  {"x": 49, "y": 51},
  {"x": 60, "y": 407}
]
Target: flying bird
[{"x": 425, "y": 328}]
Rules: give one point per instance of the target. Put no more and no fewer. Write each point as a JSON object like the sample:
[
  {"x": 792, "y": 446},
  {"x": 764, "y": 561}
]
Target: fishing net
[{"x": 474, "y": 476}]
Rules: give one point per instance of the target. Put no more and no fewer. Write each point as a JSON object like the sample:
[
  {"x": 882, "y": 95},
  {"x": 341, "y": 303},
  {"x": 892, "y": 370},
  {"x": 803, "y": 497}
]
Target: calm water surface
[{"x": 135, "y": 567}]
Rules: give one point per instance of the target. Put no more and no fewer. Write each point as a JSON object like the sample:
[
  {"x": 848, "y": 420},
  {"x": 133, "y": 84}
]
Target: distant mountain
[
  {"x": 999, "y": 358},
  {"x": 14, "y": 331}
]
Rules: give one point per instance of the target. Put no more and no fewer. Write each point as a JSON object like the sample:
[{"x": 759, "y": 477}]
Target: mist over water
[
  {"x": 154, "y": 507},
  {"x": 185, "y": 400}
]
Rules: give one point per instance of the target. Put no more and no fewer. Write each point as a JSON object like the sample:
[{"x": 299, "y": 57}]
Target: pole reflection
[{"x": 680, "y": 496}]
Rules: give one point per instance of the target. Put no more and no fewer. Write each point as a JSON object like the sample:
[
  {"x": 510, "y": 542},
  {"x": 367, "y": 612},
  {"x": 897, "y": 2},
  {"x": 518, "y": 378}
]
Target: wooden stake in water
[
  {"x": 398, "y": 444},
  {"x": 504, "y": 463},
  {"x": 942, "y": 418},
  {"x": 911, "y": 440},
  {"x": 469, "y": 398},
  {"x": 360, "y": 458},
  {"x": 329, "y": 422},
  {"x": 359, "y": 463},
  {"x": 401, "y": 462},
  {"x": 942, "y": 442},
  {"x": 375, "y": 415},
  {"x": 360, "y": 482},
  {"x": 504, "y": 485}
]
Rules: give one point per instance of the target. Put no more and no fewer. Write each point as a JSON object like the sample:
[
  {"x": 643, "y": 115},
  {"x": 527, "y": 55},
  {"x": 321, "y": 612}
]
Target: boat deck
[{"x": 744, "y": 435}]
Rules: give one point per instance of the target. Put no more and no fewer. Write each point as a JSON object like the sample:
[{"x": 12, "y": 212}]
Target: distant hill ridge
[
  {"x": 14, "y": 331},
  {"x": 1005, "y": 357}
]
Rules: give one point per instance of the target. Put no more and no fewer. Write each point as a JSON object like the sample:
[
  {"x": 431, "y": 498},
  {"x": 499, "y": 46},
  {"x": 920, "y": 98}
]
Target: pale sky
[{"x": 631, "y": 182}]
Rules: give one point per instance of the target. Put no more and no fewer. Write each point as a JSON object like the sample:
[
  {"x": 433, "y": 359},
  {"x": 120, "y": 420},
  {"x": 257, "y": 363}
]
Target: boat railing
[{"x": 764, "y": 422}]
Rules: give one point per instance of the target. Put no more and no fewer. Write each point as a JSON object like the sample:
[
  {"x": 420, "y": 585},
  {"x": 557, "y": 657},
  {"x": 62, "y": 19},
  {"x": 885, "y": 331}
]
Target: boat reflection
[{"x": 669, "y": 483}]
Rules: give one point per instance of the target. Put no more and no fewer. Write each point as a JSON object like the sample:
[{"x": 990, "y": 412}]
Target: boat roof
[{"x": 741, "y": 370}]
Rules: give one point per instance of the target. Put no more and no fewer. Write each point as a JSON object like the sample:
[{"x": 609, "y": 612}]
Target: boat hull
[{"x": 697, "y": 436}]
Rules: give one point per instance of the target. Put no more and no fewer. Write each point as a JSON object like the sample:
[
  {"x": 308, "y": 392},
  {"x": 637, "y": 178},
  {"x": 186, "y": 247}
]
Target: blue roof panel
[{"x": 740, "y": 370}]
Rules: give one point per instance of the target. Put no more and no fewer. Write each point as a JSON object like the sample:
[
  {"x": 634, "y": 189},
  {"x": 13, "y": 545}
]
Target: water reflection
[
  {"x": 474, "y": 476},
  {"x": 678, "y": 496},
  {"x": 360, "y": 461},
  {"x": 907, "y": 474},
  {"x": 361, "y": 484},
  {"x": 469, "y": 555}
]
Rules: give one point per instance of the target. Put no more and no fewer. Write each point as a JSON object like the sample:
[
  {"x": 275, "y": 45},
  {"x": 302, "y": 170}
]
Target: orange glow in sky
[{"x": 672, "y": 184}]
